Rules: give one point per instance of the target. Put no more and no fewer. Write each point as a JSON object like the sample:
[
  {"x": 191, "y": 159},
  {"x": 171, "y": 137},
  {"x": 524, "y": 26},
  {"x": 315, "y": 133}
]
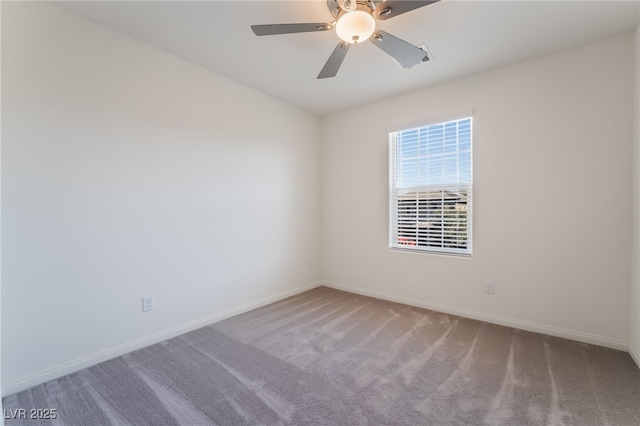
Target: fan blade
[
  {"x": 390, "y": 8},
  {"x": 332, "y": 66},
  {"x": 274, "y": 29},
  {"x": 405, "y": 53}
]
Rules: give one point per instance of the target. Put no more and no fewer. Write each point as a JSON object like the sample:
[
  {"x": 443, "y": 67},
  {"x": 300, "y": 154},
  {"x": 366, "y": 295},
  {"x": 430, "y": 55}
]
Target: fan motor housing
[{"x": 336, "y": 9}]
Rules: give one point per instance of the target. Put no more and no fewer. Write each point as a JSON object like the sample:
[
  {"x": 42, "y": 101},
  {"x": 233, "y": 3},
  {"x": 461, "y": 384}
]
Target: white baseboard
[
  {"x": 494, "y": 319},
  {"x": 635, "y": 354},
  {"x": 110, "y": 353}
]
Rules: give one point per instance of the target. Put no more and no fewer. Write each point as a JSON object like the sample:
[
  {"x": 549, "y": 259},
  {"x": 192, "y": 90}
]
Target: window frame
[{"x": 396, "y": 190}]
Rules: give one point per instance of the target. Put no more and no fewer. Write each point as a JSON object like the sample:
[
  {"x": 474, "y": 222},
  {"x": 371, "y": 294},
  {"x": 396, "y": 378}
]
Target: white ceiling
[{"x": 463, "y": 37}]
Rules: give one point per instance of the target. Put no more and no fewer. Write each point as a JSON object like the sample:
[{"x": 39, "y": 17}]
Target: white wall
[
  {"x": 1, "y": 406},
  {"x": 128, "y": 172},
  {"x": 634, "y": 335},
  {"x": 552, "y": 174}
]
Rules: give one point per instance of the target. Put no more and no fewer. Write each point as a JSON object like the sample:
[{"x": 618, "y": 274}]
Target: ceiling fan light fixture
[{"x": 356, "y": 26}]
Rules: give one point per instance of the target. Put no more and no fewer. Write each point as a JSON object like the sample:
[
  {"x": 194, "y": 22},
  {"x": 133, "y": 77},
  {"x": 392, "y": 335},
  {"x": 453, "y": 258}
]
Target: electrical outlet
[
  {"x": 147, "y": 303},
  {"x": 489, "y": 287},
  {"x": 309, "y": 265}
]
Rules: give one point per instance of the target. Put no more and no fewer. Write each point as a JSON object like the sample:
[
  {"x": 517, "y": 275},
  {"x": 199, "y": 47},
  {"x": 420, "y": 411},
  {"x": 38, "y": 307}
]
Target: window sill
[{"x": 430, "y": 252}]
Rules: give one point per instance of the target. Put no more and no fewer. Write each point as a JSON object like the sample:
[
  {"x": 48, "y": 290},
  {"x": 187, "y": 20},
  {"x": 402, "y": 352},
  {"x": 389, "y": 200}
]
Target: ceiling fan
[{"x": 355, "y": 22}]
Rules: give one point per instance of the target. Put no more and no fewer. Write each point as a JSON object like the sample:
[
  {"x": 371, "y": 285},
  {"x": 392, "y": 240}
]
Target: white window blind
[{"x": 430, "y": 187}]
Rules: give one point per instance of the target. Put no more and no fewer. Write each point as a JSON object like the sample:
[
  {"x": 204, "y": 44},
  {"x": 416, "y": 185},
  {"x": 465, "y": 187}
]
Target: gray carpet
[{"x": 330, "y": 357}]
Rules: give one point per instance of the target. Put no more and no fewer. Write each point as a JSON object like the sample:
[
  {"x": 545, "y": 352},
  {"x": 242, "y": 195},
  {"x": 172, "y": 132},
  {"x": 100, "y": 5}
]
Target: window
[{"x": 430, "y": 188}]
